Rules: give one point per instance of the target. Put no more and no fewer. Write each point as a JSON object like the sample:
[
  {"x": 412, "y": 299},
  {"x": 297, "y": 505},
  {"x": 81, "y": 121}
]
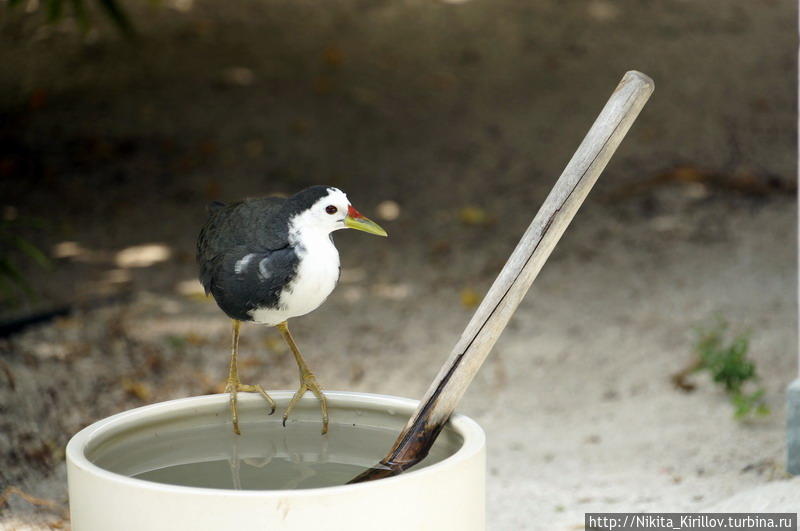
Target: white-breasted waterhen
[{"x": 270, "y": 259}]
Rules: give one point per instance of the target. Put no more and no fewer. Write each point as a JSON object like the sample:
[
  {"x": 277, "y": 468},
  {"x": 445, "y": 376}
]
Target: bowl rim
[{"x": 474, "y": 442}]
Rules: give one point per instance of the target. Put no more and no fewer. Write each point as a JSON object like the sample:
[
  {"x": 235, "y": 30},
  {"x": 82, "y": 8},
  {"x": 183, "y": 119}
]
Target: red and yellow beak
[{"x": 354, "y": 220}]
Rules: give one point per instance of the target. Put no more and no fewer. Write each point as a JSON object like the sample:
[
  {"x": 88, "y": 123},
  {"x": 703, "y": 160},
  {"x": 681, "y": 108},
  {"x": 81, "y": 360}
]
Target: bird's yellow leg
[
  {"x": 234, "y": 386},
  {"x": 308, "y": 382}
]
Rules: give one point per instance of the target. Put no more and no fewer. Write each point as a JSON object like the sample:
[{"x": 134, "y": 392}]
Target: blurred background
[{"x": 447, "y": 122}]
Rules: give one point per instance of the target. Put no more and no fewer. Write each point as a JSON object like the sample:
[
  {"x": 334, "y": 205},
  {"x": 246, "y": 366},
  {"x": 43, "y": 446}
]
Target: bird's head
[{"x": 326, "y": 209}]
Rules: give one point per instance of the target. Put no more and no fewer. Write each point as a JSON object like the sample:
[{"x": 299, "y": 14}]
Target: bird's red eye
[{"x": 330, "y": 209}]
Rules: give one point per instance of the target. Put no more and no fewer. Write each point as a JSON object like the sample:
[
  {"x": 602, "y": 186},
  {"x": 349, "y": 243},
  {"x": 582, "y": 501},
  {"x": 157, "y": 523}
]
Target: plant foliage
[
  {"x": 55, "y": 11},
  {"x": 12, "y": 247},
  {"x": 728, "y": 364}
]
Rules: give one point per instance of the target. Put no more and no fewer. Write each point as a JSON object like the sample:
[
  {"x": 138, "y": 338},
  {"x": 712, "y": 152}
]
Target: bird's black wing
[
  {"x": 248, "y": 281},
  {"x": 247, "y": 224}
]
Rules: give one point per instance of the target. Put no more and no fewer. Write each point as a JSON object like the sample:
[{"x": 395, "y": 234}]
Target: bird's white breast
[{"x": 317, "y": 275}]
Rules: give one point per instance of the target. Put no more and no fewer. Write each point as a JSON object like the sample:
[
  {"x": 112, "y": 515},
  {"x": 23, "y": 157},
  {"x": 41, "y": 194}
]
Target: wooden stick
[{"x": 517, "y": 275}]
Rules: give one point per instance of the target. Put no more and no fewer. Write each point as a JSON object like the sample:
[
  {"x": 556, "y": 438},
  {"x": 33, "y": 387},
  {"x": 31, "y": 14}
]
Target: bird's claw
[
  {"x": 234, "y": 387},
  {"x": 308, "y": 382}
]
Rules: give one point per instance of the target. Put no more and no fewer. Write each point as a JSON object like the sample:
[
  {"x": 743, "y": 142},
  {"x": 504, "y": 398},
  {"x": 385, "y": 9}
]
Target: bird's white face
[
  {"x": 328, "y": 213},
  {"x": 333, "y": 212}
]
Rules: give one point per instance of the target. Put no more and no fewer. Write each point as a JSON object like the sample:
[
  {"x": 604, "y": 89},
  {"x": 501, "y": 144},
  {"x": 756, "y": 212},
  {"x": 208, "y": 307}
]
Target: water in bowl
[{"x": 267, "y": 456}]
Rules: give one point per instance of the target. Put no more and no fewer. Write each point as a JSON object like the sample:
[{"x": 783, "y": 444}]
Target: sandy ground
[{"x": 438, "y": 107}]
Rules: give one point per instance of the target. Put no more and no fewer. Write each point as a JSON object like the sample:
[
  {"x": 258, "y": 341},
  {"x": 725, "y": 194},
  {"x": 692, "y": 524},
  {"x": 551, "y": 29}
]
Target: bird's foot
[
  {"x": 233, "y": 387},
  {"x": 308, "y": 382}
]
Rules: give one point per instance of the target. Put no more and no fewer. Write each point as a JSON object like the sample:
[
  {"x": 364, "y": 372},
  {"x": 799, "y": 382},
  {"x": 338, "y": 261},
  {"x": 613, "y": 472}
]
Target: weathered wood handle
[{"x": 517, "y": 275}]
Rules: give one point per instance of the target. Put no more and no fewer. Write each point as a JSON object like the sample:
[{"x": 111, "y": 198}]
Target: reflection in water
[
  {"x": 234, "y": 464},
  {"x": 304, "y": 471},
  {"x": 256, "y": 462},
  {"x": 297, "y": 457},
  {"x": 204, "y": 452}
]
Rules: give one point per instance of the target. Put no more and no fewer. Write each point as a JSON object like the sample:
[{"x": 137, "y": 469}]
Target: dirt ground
[{"x": 461, "y": 115}]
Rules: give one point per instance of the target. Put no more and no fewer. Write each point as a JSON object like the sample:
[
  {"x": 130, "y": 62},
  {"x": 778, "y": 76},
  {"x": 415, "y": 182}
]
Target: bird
[{"x": 267, "y": 260}]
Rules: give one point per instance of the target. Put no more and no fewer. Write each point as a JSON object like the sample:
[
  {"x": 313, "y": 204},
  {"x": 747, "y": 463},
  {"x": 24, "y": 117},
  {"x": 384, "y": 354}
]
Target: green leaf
[
  {"x": 8, "y": 270},
  {"x": 748, "y": 404},
  {"x": 31, "y": 250},
  {"x": 7, "y": 290},
  {"x": 729, "y": 366}
]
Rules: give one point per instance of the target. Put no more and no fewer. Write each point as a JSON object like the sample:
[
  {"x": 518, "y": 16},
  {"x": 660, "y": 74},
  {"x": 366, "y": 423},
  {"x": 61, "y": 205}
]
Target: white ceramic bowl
[{"x": 449, "y": 494}]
